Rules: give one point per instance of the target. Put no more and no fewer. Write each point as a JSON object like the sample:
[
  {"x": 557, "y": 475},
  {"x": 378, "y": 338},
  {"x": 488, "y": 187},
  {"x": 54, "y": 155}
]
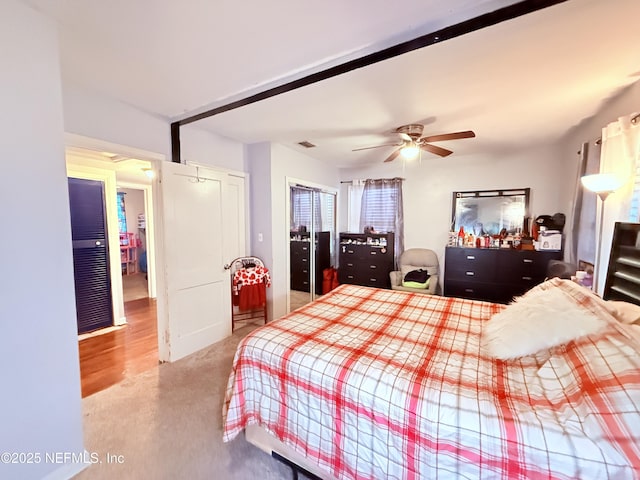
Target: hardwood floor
[{"x": 109, "y": 358}]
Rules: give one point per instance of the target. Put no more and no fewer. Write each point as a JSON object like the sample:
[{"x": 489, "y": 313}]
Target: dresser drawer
[
  {"x": 470, "y": 264},
  {"x": 471, "y": 290}
]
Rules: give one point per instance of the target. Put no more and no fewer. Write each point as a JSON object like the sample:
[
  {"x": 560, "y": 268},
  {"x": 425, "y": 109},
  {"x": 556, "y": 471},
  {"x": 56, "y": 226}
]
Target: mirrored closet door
[{"x": 312, "y": 238}]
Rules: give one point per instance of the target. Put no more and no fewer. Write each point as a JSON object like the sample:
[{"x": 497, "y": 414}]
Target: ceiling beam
[{"x": 477, "y": 23}]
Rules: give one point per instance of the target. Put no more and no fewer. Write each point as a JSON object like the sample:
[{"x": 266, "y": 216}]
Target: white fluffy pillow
[
  {"x": 624, "y": 312},
  {"x": 541, "y": 319}
]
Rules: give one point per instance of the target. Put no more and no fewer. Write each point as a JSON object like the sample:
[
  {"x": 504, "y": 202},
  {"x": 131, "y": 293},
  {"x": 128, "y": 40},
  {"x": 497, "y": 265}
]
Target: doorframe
[{"x": 79, "y": 148}]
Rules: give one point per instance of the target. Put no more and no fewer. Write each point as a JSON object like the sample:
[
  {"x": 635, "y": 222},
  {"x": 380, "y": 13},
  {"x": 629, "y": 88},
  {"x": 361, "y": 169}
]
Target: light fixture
[
  {"x": 602, "y": 184},
  {"x": 148, "y": 172},
  {"x": 410, "y": 150}
]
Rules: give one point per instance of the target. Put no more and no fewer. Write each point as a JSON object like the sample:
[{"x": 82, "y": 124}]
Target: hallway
[{"x": 121, "y": 352}]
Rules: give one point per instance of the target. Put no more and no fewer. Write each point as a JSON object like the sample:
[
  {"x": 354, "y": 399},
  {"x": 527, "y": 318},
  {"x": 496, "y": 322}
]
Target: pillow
[
  {"x": 624, "y": 312},
  {"x": 541, "y": 319},
  {"x": 416, "y": 279}
]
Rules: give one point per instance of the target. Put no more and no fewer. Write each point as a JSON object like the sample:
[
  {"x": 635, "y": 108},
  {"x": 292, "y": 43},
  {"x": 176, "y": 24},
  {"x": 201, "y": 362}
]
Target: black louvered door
[{"x": 90, "y": 254}]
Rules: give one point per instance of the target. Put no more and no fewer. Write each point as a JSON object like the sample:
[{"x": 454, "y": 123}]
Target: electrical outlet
[{"x": 260, "y": 237}]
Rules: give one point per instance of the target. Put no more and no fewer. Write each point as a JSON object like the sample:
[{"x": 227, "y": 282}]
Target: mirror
[
  {"x": 312, "y": 215},
  {"x": 490, "y": 211}
]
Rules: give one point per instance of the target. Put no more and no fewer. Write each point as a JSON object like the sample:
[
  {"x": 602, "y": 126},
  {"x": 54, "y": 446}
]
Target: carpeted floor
[{"x": 166, "y": 423}]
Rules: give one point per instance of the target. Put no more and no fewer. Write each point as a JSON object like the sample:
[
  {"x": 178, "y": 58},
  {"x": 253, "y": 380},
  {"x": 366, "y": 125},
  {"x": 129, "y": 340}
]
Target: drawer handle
[
  {"x": 471, "y": 257},
  {"x": 350, "y": 276},
  {"x": 527, "y": 260},
  {"x": 373, "y": 253},
  {"x": 373, "y": 266},
  {"x": 305, "y": 260},
  {"x": 373, "y": 279},
  {"x": 527, "y": 278},
  {"x": 349, "y": 251},
  {"x": 305, "y": 248},
  {"x": 468, "y": 290},
  {"x": 349, "y": 264},
  {"x": 470, "y": 274}
]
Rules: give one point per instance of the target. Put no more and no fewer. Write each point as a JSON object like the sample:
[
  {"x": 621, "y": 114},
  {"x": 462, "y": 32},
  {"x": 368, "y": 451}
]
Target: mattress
[{"x": 371, "y": 383}]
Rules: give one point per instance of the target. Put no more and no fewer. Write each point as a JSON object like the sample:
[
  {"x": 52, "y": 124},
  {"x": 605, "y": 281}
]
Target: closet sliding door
[{"x": 311, "y": 241}]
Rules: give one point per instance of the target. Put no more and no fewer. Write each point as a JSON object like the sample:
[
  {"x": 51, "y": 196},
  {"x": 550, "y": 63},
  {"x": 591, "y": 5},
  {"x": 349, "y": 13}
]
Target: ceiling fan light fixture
[{"x": 410, "y": 151}]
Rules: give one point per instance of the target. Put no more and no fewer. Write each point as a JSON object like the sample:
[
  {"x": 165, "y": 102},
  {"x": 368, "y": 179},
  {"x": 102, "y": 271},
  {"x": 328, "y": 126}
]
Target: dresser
[
  {"x": 300, "y": 260},
  {"x": 494, "y": 275},
  {"x": 366, "y": 259}
]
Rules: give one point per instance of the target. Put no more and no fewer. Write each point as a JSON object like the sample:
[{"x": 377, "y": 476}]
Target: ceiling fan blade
[
  {"x": 377, "y": 146},
  {"x": 448, "y": 136},
  {"x": 393, "y": 156},
  {"x": 443, "y": 152}
]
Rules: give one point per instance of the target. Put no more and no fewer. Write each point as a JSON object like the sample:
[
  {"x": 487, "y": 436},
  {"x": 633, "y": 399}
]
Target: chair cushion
[{"x": 416, "y": 279}]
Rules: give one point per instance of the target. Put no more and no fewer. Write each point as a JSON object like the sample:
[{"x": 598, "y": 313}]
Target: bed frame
[{"x": 261, "y": 438}]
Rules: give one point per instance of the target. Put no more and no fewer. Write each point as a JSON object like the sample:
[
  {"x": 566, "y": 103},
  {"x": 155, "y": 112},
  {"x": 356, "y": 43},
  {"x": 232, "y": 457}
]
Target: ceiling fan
[{"x": 414, "y": 142}]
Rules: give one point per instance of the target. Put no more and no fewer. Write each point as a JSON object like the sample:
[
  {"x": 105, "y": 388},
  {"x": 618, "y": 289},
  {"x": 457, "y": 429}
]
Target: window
[{"x": 382, "y": 209}]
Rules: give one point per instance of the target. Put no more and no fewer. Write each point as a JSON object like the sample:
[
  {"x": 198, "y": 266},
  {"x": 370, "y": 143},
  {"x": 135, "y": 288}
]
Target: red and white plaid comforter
[{"x": 371, "y": 383}]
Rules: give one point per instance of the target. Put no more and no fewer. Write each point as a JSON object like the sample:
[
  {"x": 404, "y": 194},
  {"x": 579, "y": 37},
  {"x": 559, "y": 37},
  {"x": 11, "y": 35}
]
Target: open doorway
[
  {"x": 128, "y": 345},
  {"x": 132, "y": 220}
]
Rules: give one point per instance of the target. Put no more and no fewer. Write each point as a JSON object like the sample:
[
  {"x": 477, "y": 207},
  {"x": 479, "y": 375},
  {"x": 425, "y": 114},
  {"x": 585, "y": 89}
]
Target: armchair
[{"x": 415, "y": 259}]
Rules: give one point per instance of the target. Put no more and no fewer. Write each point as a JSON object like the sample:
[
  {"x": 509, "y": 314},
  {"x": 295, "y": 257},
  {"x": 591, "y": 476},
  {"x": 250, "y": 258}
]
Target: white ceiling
[{"x": 521, "y": 82}]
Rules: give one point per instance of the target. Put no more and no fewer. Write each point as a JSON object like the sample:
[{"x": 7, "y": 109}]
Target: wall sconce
[{"x": 602, "y": 184}]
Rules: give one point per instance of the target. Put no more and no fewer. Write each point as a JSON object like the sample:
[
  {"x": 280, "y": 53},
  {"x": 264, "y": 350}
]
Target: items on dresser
[
  {"x": 623, "y": 275},
  {"x": 494, "y": 275},
  {"x": 300, "y": 249},
  {"x": 366, "y": 259}
]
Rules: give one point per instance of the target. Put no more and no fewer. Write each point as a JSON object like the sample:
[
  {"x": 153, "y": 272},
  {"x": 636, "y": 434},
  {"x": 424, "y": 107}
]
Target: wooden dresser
[
  {"x": 366, "y": 259},
  {"x": 494, "y": 275}
]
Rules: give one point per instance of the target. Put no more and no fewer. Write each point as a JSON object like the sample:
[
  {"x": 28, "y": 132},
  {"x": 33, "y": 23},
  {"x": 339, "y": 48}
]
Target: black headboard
[{"x": 623, "y": 273}]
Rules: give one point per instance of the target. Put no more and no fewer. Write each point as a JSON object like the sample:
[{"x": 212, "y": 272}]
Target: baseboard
[{"x": 68, "y": 470}]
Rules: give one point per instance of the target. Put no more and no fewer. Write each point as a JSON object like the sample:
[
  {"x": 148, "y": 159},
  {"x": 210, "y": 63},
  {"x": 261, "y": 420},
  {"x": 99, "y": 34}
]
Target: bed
[{"x": 366, "y": 383}]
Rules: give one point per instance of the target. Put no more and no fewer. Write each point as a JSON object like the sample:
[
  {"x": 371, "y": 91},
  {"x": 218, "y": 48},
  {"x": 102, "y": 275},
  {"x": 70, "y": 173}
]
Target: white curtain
[
  {"x": 355, "y": 205},
  {"x": 620, "y": 146}
]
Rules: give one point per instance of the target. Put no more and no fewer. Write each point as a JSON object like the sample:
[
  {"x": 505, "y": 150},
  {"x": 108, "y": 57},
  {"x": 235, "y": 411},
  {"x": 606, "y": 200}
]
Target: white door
[{"x": 196, "y": 309}]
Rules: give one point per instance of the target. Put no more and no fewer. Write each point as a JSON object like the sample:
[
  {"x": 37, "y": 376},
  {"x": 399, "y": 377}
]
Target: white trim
[
  {"x": 74, "y": 140},
  {"x": 68, "y": 470},
  {"x": 228, "y": 171}
]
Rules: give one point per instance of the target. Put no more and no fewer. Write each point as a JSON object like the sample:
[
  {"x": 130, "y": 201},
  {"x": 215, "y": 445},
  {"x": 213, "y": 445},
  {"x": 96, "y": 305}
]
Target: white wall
[
  {"x": 91, "y": 115},
  {"x": 271, "y": 165},
  {"x": 625, "y": 103},
  {"x": 429, "y": 184},
  {"x": 40, "y": 405},
  {"x": 206, "y": 148}
]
